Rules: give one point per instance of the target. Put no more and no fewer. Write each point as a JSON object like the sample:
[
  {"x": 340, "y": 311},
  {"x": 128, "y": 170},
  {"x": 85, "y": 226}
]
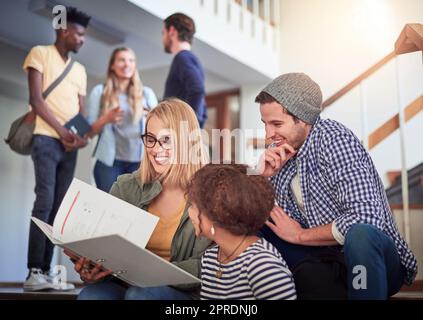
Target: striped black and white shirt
[{"x": 258, "y": 273}]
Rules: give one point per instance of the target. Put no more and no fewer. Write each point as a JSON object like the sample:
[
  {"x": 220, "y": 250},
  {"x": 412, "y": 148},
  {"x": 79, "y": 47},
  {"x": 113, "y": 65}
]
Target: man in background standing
[
  {"x": 186, "y": 76},
  {"x": 54, "y": 148}
]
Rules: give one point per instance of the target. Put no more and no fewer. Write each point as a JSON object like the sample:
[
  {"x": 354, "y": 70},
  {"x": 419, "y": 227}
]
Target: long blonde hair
[
  {"x": 110, "y": 97},
  {"x": 174, "y": 113}
]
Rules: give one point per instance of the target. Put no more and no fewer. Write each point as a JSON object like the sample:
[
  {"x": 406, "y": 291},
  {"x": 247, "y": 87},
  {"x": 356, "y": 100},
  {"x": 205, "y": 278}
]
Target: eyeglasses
[{"x": 150, "y": 141}]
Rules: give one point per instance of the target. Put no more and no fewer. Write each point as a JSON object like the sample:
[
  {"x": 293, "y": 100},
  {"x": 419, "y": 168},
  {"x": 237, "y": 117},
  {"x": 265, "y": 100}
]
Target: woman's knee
[
  {"x": 138, "y": 293},
  {"x": 155, "y": 293}
]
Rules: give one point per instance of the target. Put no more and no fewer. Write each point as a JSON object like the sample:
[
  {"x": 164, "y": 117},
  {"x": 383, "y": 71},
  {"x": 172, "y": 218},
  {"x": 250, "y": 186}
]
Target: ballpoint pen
[{"x": 272, "y": 145}]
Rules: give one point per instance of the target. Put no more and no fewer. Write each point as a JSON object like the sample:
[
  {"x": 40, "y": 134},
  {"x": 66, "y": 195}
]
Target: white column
[
  {"x": 404, "y": 176},
  {"x": 256, "y": 17},
  {"x": 276, "y": 28},
  {"x": 228, "y": 11},
  {"x": 364, "y": 115},
  {"x": 266, "y": 12},
  {"x": 242, "y": 16}
]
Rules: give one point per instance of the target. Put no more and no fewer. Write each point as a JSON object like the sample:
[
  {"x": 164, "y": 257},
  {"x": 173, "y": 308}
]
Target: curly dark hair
[
  {"x": 183, "y": 24},
  {"x": 73, "y": 15},
  {"x": 230, "y": 198}
]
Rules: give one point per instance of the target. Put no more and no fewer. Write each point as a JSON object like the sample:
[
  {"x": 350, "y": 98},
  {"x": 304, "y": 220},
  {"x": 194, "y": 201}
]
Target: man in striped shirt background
[{"x": 328, "y": 191}]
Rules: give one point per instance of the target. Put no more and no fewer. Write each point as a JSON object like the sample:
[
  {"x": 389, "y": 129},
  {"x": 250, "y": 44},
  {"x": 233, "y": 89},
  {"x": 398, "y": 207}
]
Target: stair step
[
  {"x": 408, "y": 295},
  {"x": 17, "y": 293}
]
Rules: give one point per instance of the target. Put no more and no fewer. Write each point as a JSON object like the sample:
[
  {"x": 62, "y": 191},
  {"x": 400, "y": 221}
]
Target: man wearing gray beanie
[{"x": 329, "y": 196}]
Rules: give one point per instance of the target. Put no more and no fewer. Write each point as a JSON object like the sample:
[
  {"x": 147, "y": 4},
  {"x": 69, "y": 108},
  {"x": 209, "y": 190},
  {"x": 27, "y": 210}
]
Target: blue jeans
[
  {"x": 365, "y": 247},
  {"x": 105, "y": 176},
  {"x": 54, "y": 169},
  {"x": 111, "y": 290},
  {"x": 368, "y": 247}
]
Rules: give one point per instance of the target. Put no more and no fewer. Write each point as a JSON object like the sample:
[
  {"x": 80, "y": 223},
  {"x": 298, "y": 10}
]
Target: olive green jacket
[{"x": 186, "y": 249}]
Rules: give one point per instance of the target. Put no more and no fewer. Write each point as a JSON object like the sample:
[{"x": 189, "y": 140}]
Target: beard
[
  {"x": 75, "y": 48},
  {"x": 299, "y": 138},
  {"x": 167, "y": 45}
]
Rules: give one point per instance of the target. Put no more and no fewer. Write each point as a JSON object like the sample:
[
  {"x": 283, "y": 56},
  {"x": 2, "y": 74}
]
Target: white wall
[
  {"x": 16, "y": 197},
  {"x": 334, "y": 41},
  {"x": 241, "y": 39}
]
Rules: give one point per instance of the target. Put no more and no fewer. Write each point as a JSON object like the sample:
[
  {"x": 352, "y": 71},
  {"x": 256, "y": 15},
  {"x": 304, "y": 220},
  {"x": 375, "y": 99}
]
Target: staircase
[
  {"x": 394, "y": 194},
  {"x": 415, "y": 187}
]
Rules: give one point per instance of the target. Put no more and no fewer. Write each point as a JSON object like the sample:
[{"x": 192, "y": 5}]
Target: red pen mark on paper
[{"x": 70, "y": 209}]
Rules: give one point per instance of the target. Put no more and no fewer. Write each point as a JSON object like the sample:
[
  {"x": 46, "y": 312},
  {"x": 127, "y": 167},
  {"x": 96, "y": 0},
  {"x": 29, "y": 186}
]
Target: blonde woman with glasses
[
  {"x": 174, "y": 152},
  {"x": 117, "y": 111}
]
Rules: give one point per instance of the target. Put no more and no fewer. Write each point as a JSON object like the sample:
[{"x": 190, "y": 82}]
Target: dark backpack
[{"x": 321, "y": 276}]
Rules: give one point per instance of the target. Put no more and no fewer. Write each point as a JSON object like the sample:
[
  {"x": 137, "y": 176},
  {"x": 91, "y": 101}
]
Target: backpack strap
[{"x": 56, "y": 82}]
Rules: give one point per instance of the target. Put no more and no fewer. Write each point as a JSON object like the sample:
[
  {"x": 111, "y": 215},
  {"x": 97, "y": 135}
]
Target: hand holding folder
[
  {"x": 89, "y": 271},
  {"x": 94, "y": 224}
]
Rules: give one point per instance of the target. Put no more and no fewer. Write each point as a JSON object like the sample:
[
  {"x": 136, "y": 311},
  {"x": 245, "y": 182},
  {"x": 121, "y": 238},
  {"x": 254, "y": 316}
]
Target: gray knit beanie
[{"x": 300, "y": 95}]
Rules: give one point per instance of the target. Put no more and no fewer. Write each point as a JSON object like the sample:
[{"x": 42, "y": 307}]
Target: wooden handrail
[
  {"x": 401, "y": 207},
  {"x": 392, "y": 124},
  {"x": 357, "y": 80},
  {"x": 410, "y": 39}
]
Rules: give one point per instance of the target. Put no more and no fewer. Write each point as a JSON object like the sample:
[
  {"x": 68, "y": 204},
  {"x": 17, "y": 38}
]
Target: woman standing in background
[{"x": 119, "y": 148}]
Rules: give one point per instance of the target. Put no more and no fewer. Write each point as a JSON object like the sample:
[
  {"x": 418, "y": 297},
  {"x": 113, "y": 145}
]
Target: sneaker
[
  {"x": 36, "y": 281},
  {"x": 60, "y": 286}
]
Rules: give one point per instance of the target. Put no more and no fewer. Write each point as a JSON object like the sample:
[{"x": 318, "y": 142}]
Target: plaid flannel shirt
[{"x": 340, "y": 184}]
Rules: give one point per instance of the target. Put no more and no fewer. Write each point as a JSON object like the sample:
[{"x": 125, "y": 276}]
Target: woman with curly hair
[{"x": 229, "y": 207}]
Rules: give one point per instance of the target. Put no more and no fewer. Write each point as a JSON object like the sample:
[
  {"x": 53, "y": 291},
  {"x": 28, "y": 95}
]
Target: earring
[{"x": 212, "y": 231}]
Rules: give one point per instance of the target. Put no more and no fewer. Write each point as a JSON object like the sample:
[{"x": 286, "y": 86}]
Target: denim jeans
[
  {"x": 105, "y": 176},
  {"x": 54, "y": 169},
  {"x": 366, "y": 248},
  {"x": 111, "y": 290}
]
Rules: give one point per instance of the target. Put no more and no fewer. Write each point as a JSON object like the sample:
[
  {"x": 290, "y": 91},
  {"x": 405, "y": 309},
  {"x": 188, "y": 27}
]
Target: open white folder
[{"x": 96, "y": 225}]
